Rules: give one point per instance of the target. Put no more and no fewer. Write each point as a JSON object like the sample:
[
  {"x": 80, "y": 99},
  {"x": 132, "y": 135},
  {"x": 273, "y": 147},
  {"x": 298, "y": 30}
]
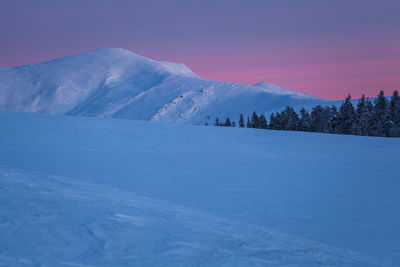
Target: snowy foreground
[{"x": 77, "y": 191}]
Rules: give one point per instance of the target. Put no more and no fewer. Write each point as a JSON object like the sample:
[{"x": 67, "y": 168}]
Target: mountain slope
[
  {"x": 120, "y": 84},
  {"x": 85, "y": 191}
]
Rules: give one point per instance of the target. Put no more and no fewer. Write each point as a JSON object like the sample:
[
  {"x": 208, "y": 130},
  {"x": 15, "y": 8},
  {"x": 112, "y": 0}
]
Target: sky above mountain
[{"x": 325, "y": 48}]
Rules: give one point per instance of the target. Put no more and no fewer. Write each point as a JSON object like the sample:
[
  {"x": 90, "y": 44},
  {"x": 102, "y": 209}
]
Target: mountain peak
[
  {"x": 115, "y": 52},
  {"x": 171, "y": 67}
]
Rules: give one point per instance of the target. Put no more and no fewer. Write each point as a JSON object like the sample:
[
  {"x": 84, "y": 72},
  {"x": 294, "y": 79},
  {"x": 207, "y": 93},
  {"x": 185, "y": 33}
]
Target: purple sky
[{"x": 323, "y": 47}]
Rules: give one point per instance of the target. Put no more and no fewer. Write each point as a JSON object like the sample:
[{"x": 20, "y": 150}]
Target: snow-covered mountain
[{"x": 117, "y": 83}]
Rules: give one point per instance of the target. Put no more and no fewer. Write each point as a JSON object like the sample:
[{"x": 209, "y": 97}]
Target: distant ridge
[{"x": 117, "y": 83}]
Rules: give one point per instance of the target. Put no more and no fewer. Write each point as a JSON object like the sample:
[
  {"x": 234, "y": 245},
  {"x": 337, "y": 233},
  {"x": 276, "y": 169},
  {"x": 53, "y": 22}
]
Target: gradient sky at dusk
[{"x": 325, "y": 48}]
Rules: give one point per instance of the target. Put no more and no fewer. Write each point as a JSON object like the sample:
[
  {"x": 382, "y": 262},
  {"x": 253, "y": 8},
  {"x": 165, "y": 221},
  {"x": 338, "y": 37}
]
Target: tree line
[{"x": 380, "y": 117}]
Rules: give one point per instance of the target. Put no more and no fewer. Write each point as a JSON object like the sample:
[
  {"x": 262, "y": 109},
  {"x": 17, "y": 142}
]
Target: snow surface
[
  {"x": 78, "y": 191},
  {"x": 117, "y": 83}
]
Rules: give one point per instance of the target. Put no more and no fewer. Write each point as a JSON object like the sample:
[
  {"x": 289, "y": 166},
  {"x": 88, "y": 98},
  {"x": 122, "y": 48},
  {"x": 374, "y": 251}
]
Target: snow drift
[{"x": 78, "y": 191}]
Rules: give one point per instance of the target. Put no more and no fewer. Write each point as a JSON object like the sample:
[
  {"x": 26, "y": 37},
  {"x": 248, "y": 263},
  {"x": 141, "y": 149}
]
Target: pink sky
[
  {"x": 325, "y": 48},
  {"x": 331, "y": 73}
]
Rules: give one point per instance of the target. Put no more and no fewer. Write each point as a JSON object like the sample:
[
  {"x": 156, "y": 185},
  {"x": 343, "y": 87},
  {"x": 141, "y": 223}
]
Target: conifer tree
[
  {"x": 327, "y": 117},
  {"x": 371, "y": 111},
  {"x": 278, "y": 122},
  {"x": 248, "y": 123},
  {"x": 346, "y": 117},
  {"x": 395, "y": 107},
  {"x": 304, "y": 121},
  {"x": 321, "y": 119},
  {"x": 272, "y": 121},
  {"x": 333, "y": 119},
  {"x": 289, "y": 119},
  {"x": 241, "y": 121},
  {"x": 395, "y": 114},
  {"x": 217, "y": 122},
  {"x": 318, "y": 119},
  {"x": 362, "y": 118},
  {"x": 227, "y": 122},
  {"x": 255, "y": 122},
  {"x": 381, "y": 116},
  {"x": 263, "y": 122}
]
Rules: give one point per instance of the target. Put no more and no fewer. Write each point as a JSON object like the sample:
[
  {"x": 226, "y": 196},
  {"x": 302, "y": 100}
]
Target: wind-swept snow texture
[
  {"x": 78, "y": 191},
  {"x": 120, "y": 84}
]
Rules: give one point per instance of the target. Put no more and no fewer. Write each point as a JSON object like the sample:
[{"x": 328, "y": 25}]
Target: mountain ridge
[{"x": 117, "y": 83}]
